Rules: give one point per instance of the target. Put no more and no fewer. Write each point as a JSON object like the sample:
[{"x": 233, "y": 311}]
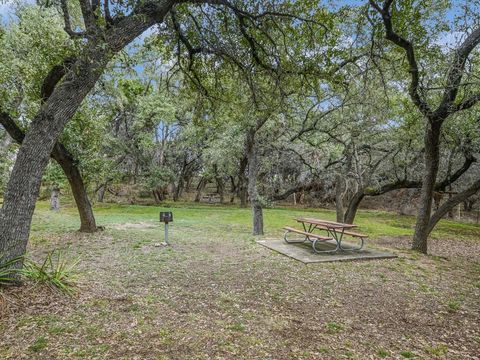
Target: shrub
[{"x": 55, "y": 271}]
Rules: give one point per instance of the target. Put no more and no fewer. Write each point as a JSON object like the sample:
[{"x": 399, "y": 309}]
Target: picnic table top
[{"x": 326, "y": 223}]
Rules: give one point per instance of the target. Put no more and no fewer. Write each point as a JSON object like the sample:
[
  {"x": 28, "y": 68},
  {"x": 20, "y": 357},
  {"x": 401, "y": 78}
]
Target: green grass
[
  {"x": 383, "y": 353},
  {"x": 333, "y": 327},
  {"x": 407, "y": 354},
  {"x": 39, "y": 344},
  {"x": 191, "y": 215},
  {"x": 438, "y": 350},
  {"x": 454, "y": 305}
]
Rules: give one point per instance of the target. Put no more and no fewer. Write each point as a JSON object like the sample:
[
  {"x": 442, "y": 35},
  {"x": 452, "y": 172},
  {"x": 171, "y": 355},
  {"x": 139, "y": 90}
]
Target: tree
[{"x": 457, "y": 96}]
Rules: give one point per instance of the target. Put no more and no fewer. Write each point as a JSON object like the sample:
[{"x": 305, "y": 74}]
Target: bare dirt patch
[{"x": 139, "y": 226}]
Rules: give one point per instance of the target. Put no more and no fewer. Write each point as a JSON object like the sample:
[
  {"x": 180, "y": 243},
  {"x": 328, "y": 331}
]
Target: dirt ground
[{"x": 216, "y": 294}]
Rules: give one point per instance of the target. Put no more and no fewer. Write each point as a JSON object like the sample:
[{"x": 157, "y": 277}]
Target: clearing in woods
[{"x": 216, "y": 294}]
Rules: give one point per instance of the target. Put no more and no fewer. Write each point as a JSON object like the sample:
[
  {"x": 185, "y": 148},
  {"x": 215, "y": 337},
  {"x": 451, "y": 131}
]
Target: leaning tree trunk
[
  {"x": 201, "y": 186},
  {"x": 68, "y": 164},
  {"x": 353, "y": 205},
  {"x": 156, "y": 197},
  {"x": 257, "y": 212},
  {"x": 25, "y": 179},
  {"x": 431, "y": 158},
  {"x": 79, "y": 191},
  {"x": 451, "y": 203},
  {"x": 101, "y": 192},
  {"x": 339, "y": 189},
  {"x": 179, "y": 189}
]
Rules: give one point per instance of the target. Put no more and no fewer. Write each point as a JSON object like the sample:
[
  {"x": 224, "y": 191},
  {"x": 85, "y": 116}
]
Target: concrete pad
[{"x": 303, "y": 252}]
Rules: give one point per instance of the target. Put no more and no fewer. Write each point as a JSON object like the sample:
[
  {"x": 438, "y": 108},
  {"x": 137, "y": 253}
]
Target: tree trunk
[
  {"x": 257, "y": 212},
  {"x": 243, "y": 194},
  {"x": 177, "y": 194},
  {"x": 179, "y": 189},
  {"x": 155, "y": 196},
  {"x": 242, "y": 182},
  {"x": 451, "y": 203},
  {"x": 233, "y": 189},
  {"x": 353, "y": 206},
  {"x": 68, "y": 164},
  {"x": 55, "y": 199},
  {"x": 184, "y": 174},
  {"x": 188, "y": 182},
  {"x": 201, "y": 186},
  {"x": 339, "y": 189},
  {"x": 79, "y": 191},
  {"x": 220, "y": 188},
  {"x": 101, "y": 192},
  {"x": 431, "y": 158},
  {"x": 32, "y": 158}
]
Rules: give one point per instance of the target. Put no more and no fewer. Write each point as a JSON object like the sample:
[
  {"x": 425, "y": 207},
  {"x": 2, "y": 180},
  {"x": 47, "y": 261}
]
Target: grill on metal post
[{"x": 166, "y": 217}]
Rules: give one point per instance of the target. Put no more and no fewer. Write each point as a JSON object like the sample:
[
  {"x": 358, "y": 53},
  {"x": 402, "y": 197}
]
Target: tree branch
[
  {"x": 467, "y": 103},
  {"x": 88, "y": 15},
  {"x": 53, "y": 77},
  {"x": 451, "y": 203},
  {"x": 455, "y": 75},
  {"x": 313, "y": 186},
  {"x": 11, "y": 127},
  {"x": 469, "y": 160},
  {"x": 407, "y": 46},
  {"x": 66, "y": 18}
]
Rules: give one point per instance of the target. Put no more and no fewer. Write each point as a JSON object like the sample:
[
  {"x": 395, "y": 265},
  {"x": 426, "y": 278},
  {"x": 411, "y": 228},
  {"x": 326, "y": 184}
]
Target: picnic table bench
[
  {"x": 314, "y": 238},
  {"x": 335, "y": 231}
]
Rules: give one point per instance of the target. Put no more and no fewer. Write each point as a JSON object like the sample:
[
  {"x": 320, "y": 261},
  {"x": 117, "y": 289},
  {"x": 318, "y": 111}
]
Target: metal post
[{"x": 166, "y": 234}]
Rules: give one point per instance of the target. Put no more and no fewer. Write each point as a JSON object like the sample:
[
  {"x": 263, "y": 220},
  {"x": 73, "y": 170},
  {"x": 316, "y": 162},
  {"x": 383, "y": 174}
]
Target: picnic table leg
[
  {"x": 362, "y": 242},
  {"x": 293, "y": 241},
  {"x": 311, "y": 227},
  {"x": 314, "y": 246},
  {"x": 340, "y": 242}
]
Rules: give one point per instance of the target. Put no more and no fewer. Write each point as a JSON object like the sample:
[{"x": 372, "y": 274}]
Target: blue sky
[{"x": 4, "y": 10}]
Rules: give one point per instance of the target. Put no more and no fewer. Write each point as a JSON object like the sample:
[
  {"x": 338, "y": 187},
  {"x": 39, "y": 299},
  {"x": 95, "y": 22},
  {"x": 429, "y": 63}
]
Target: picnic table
[{"x": 334, "y": 231}]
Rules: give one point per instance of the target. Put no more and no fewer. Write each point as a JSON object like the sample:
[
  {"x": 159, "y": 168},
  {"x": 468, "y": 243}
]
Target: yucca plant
[
  {"x": 55, "y": 271},
  {"x": 8, "y": 271}
]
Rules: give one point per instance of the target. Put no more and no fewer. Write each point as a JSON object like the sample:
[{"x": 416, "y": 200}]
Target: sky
[
  {"x": 4, "y": 10},
  {"x": 7, "y": 7}
]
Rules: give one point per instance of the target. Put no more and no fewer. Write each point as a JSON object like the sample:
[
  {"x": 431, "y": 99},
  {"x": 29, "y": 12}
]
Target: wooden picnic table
[{"x": 335, "y": 231}]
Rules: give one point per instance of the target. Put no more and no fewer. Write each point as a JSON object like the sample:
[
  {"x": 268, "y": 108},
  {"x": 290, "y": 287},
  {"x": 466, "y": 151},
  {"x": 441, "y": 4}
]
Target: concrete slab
[{"x": 303, "y": 252}]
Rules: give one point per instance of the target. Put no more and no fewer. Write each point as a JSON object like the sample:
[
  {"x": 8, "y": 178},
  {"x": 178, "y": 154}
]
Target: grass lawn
[{"x": 216, "y": 294}]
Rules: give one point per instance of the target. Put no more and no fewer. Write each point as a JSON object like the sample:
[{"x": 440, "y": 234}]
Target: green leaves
[
  {"x": 55, "y": 271},
  {"x": 8, "y": 270},
  {"x": 29, "y": 48}
]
